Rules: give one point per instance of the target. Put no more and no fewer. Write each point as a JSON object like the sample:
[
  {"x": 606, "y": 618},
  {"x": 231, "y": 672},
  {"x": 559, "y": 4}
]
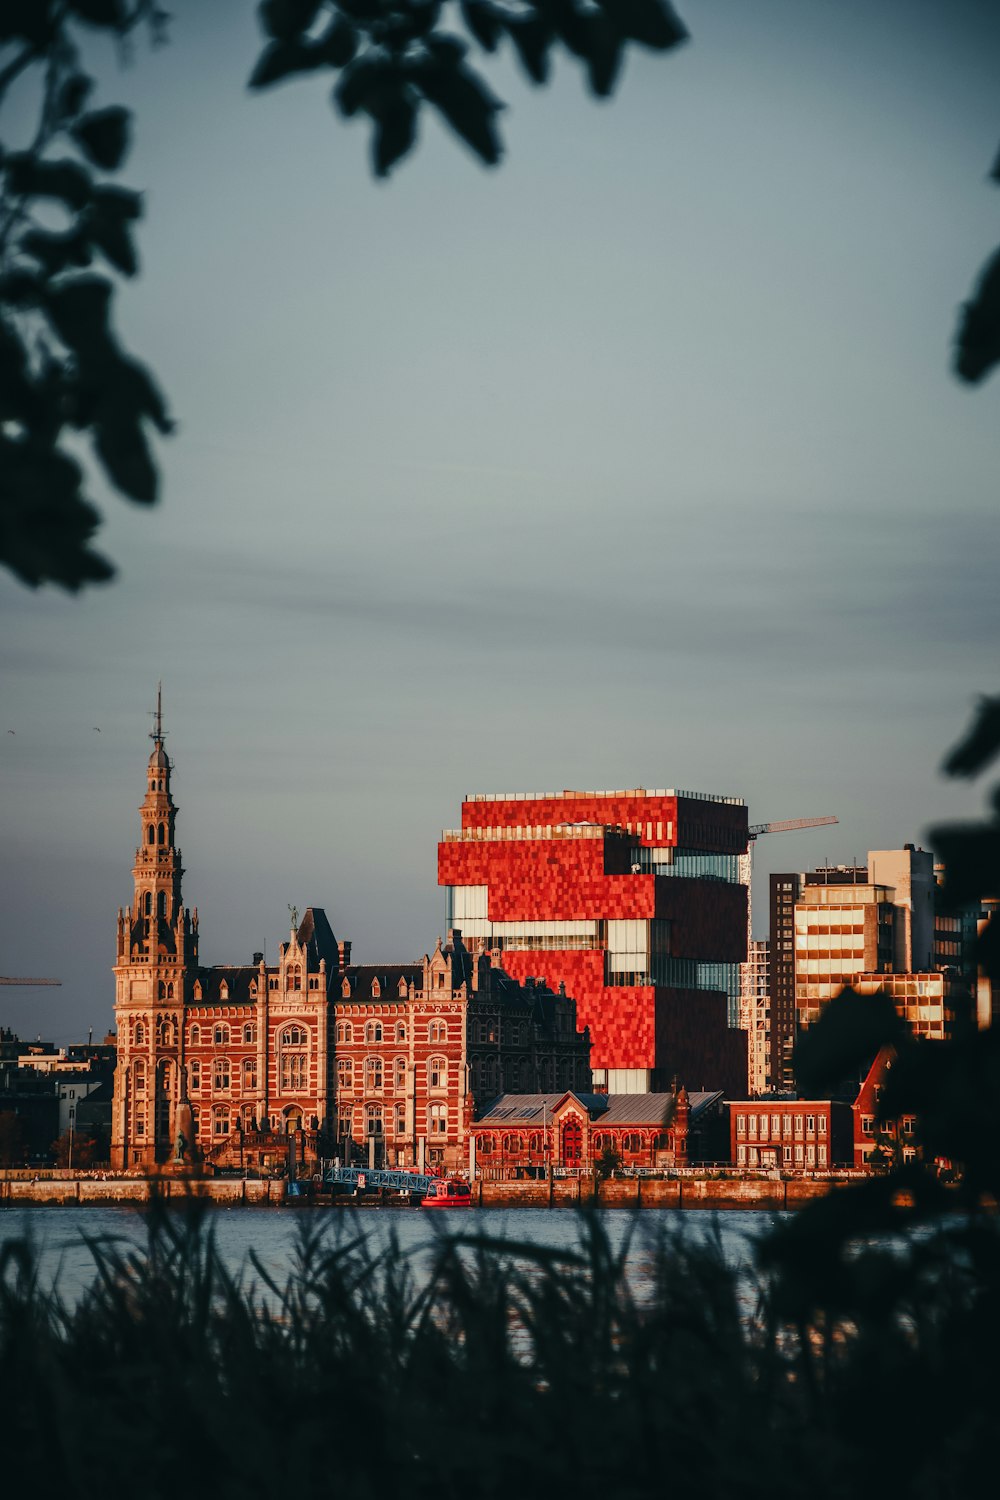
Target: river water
[{"x": 63, "y": 1235}]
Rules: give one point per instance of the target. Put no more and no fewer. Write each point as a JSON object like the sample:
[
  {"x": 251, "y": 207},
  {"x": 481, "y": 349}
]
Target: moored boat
[{"x": 449, "y": 1192}]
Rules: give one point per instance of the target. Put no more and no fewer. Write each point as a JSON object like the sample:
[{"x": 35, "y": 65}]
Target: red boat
[{"x": 448, "y": 1193}]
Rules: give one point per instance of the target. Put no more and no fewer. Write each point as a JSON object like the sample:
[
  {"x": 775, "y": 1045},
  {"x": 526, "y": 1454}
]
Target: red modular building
[{"x": 632, "y": 900}]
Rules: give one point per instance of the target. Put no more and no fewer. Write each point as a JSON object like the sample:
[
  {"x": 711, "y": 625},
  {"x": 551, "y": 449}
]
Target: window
[
  {"x": 140, "y": 1034},
  {"x": 798, "y": 1156},
  {"x": 373, "y": 1073},
  {"x": 294, "y": 1036},
  {"x": 294, "y": 977},
  {"x": 345, "y": 1073},
  {"x": 867, "y": 1124},
  {"x": 373, "y": 1031},
  {"x": 139, "y": 1076},
  {"x": 437, "y": 1120},
  {"x": 220, "y": 1036},
  {"x": 220, "y": 1074},
  {"x": 821, "y": 1155},
  {"x": 250, "y": 1033},
  {"x": 194, "y": 1036},
  {"x": 786, "y": 1155},
  {"x": 764, "y": 1126},
  {"x": 345, "y": 1122},
  {"x": 400, "y": 1031},
  {"x": 810, "y": 1156},
  {"x": 798, "y": 1124},
  {"x": 249, "y": 1074},
  {"x": 437, "y": 1031},
  {"x": 753, "y": 1127},
  {"x": 484, "y": 1145},
  {"x": 811, "y": 1124},
  {"x": 220, "y": 1121},
  {"x": 741, "y": 1156},
  {"x": 399, "y": 1072},
  {"x": 437, "y": 1073},
  {"x": 741, "y": 1124},
  {"x": 345, "y": 1032},
  {"x": 633, "y": 1143},
  {"x": 786, "y": 1121},
  {"x": 400, "y": 1119},
  {"x": 821, "y": 1122},
  {"x": 373, "y": 1119},
  {"x": 293, "y": 1072},
  {"x": 194, "y": 1074}
]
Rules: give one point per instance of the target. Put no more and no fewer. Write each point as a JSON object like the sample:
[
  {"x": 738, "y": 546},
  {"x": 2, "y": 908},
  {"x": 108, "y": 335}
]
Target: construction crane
[
  {"x": 5, "y": 980},
  {"x": 786, "y": 826}
]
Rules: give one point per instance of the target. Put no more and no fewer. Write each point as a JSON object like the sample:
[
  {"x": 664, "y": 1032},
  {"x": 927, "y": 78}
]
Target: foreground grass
[{"x": 487, "y": 1369}]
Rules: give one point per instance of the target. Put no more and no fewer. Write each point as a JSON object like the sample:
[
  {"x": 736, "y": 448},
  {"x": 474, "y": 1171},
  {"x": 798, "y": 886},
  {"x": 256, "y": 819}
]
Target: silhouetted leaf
[
  {"x": 32, "y": 178},
  {"x": 103, "y": 136},
  {"x": 109, "y": 234},
  {"x": 652, "y": 22},
  {"x": 980, "y": 743},
  {"x": 363, "y": 81},
  {"x": 464, "y": 100},
  {"x": 73, "y": 95},
  {"x": 845, "y": 1040},
  {"x": 995, "y": 169},
  {"x": 30, "y": 20},
  {"x": 122, "y": 448},
  {"x": 977, "y": 343},
  {"x": 448, "y": 49},
  {"x": 604, "y": 54},
  {"x": 339, "y": 42},
  {"x": 45, "y": 524},
  {"x": 284, "y": 19},
  {"x": 54, "y": 250},
  {"x": 532, "y": 38},
  {"x": 395, "y": 132},
  {"x": 101, "y": 12},
  {"x": 281, "y": 59},
  {"x": 121, "y": 203},
  {"x": 480, "y": 18},
  {"x": 79, "y": 312},
  {"x": 970, "y": 853}
]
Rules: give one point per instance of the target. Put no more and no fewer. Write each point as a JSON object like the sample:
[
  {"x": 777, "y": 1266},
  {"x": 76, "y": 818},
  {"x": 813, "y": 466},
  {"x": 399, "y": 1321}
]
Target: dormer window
[{"x": 376, "y": 990}]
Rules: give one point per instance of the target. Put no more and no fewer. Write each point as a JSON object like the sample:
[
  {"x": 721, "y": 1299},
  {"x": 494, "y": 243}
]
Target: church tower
[{"x": 157, "y": 960}]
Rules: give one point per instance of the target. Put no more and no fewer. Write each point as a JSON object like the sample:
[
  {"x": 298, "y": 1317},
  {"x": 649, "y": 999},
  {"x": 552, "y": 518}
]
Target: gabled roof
[
  {"x": 236, "y": 979},
  {"x": 608, "y": 1109},
  {"x": 360, "y": 977}
]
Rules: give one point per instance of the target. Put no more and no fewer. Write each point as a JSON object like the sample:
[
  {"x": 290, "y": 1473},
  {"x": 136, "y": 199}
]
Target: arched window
[
  {"x": 220, "y": 1036},
  {"x": 220, "y": 1121},
  {"x": 194, "y": 1035},
  {"x": 437, "y": 1073},
  {"x": 401, "y": 988},
  {"x": 160, "y": 838},
  {"x": 194, "y": 1074},
  {"x": 162, "y": 990},
  {"x": 437, "y": 1119},
  {"x": 484, "y": 1145},
  {"x": 139, "y": 1076},
  {"x": 249, "y": 1074},
  {"x": 170, "y": 992},
  {"x": 400, "y": 1123},
  {"x": 572, "y": 1141},
  {"x": 535, "y": 1144},
  {"x": 161, "y": 903},
  {"x": 345, "y": 1032},
  {"x": 376, "y": 989},
  {"x": 399, "y": 1072},
  {"x": 632, "y": 1142},
  {"x": 400, "y": 1031},
  {"x": 373, "y": 1031},
  {"x": 197, "y": 992},
  {"x": 293, "y": 1059},
  {"x": 139, "y": 1039},
  {"x": 345, "y": 1073},
  {"x": 437, "y": 1031},
  {"x": 220, "y": 1074},
  {"x": 223, "y": 990},
  {"x": 373, "y": 1073},
  {"x": 294, "y": 981},
  {"x": 373, "y": 1119},
  {"x": 250, "y": 1033},
  {"x": 148, "y": 904},
  {"x": 151, "y": 835},
  {"x": 166, "y": 1033},
  {"x": 513, "y": 1145}
]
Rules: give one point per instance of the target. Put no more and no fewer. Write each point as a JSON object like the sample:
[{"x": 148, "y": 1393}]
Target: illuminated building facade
[{"x": 632, "y": 900}]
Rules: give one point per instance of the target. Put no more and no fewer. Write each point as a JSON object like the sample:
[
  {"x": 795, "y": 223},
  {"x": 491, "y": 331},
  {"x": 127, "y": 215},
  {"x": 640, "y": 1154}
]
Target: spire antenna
[{"x": 157, "y": 731}]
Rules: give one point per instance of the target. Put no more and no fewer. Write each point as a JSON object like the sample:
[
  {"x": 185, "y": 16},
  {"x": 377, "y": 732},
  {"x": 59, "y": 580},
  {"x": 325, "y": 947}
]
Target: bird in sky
[
  {"x": 97, "y": 728},
  {"x": 10, "y": 731}
]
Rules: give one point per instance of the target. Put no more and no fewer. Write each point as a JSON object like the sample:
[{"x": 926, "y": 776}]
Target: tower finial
[{"x": 157, "y": 731}]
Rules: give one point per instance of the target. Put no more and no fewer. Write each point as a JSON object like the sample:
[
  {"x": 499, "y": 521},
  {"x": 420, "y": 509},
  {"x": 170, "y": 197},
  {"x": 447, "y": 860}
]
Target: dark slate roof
[
  {"x": 610, "y": 1109},
  {"x": 316, "y": 935},
  {"x": 238, "y": 981},
  {"x": 388, "y": 976}
]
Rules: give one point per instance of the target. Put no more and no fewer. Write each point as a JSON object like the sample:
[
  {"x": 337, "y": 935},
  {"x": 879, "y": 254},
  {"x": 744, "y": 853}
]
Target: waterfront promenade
[{"x": 678, "y": 1192}]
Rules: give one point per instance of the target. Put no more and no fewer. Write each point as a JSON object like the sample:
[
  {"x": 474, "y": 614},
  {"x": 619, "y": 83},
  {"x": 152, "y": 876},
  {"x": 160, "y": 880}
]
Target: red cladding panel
[
  {"x": 622, "y": 1020},
  {"x": 548, "y": 880}
]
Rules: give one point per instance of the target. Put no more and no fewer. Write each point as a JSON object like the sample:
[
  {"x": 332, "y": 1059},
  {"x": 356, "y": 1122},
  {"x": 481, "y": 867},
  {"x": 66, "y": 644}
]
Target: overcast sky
[{"x": 636, "y": 461}]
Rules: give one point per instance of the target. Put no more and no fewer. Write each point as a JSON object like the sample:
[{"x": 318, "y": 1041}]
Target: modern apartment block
[
  {"x": 632, "y": 900},
  {"x": 755, "y": 1016},
  {"x": 871, "y": 921}
]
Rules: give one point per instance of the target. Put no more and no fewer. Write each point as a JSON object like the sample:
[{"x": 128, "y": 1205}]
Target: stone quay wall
[{"x": 688, "y": 1192}]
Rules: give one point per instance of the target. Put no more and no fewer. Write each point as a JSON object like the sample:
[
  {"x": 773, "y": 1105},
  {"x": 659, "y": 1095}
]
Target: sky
[{"x": 636, "y": 461}]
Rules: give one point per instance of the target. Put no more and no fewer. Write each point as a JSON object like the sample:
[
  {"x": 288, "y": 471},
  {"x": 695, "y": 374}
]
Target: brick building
[
  {"x": 235, "y": 1063},
  {"x": 791, "y": 1135},
  {"x": 526, "y": 1135},
  {"x": 631, "y": 899}
]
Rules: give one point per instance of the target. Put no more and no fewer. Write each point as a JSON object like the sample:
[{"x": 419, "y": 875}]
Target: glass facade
[{"x": 692, "y": 863}]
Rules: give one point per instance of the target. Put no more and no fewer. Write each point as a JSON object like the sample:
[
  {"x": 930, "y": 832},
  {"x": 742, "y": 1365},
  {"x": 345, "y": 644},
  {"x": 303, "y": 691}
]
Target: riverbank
[{"x": 688, "y": 1192}]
